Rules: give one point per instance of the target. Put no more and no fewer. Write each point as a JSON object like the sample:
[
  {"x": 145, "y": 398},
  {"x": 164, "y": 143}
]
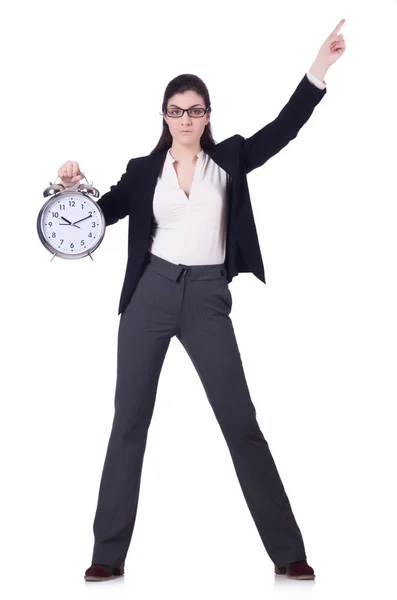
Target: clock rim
[{"x": 47, "y": 244}]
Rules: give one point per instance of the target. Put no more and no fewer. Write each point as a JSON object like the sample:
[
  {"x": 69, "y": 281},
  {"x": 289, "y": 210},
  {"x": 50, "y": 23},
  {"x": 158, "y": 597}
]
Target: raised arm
[
  {"x": 269, "y": 140},
  {"x": 274, "y": 136}
]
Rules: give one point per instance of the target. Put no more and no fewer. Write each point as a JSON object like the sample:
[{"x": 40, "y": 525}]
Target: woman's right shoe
[
  {"x": 103, "y": 572},
  {"x": 297, "y": 570}
]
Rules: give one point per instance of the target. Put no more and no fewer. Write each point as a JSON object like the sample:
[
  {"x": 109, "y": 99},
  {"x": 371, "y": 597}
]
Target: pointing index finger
[{"x": 337, "y": 28}]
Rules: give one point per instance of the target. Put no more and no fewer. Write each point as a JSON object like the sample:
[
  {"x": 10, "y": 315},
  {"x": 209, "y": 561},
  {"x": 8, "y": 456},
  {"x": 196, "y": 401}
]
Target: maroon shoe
[
  {"x": 103, "y": 572},
  {"x": 296, "y": 571},
  {"x": 280, "y": 570}
]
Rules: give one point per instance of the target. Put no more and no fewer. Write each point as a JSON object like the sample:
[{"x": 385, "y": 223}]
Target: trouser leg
[
  {"x": 208, "y": 336},
  {"x": 140, "y": 356}
]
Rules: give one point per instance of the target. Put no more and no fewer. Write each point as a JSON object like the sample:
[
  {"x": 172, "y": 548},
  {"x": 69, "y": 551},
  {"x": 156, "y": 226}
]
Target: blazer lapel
[{"x": 223, "y": 154}]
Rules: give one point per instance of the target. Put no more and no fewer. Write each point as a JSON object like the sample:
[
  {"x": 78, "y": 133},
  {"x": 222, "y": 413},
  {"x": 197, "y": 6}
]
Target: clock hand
[
  {"x": 67, "y": 222},
  {"x": 89, "y": 216}
]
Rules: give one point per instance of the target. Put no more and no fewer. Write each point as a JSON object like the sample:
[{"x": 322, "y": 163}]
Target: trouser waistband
[{"x": 191, "y": 272}]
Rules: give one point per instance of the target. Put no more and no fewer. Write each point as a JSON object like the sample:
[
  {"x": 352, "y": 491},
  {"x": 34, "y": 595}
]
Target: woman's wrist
[{"x": 319, "y": 69}]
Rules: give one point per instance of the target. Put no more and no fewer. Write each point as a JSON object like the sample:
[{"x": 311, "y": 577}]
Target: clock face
[{"x": 72, "y": 224}]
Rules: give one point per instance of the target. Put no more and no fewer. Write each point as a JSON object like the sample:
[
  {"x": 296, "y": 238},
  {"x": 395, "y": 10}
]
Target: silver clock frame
[{"x": 57, "y": 192}]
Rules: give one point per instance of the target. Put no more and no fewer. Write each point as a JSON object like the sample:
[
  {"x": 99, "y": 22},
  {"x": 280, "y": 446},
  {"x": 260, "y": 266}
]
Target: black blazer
[{"x": 133, "y": 194}]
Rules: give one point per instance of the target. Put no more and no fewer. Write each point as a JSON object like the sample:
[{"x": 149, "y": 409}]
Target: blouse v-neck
[{"x": 200, "y": 157}]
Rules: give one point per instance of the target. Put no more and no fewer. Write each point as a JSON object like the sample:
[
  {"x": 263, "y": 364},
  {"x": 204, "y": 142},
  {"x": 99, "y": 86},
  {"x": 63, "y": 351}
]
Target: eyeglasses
[{"x": 192, "y": 112}]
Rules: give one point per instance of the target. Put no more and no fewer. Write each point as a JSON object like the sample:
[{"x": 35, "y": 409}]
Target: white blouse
[{"x": 192, "y": 231}]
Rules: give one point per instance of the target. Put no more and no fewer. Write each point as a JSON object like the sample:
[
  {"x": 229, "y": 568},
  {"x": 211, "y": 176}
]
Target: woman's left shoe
[{"x": 296, "y": 571}]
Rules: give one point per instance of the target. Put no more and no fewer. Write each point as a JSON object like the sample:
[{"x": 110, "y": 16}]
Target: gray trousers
[{"x": 193, "y": 303}]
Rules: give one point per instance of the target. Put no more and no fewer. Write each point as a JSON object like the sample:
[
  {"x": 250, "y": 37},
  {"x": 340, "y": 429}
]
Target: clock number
[
  {"x": 55, "y": 214},
  {"x": 62, "y": 242},
  {"x": 72, "y": 202},
  {"x": 90, "y": 235},
  {"x": 61, "y": 207},
  {"x": 49, "y": 223},
  {"x": 53, "y": 234},
  {"x": 72, "y": 245},
  {"x": 93, "y": 224},
  {"x": 82, "y": 242}
]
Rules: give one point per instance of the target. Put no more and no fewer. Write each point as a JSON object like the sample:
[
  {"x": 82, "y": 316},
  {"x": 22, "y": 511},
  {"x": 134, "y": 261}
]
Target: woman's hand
[
  {"x": 333, "y": 47},
  {"x": 330, "y": 51},
  {"x": 70, "y": 173}
]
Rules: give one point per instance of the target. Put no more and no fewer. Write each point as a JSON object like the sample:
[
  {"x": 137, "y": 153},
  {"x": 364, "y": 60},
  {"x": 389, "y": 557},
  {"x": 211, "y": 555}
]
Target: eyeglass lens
[{"x": 192, "y": 112}]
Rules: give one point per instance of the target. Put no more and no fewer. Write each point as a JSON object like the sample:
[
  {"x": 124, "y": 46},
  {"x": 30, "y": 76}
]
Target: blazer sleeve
[
  {"x": 269, "y": 140},
  {"x": 115, "y": 203}
]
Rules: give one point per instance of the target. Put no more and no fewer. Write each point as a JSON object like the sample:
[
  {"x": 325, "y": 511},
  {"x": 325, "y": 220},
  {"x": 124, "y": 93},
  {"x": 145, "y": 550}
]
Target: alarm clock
[{"x": 71, "y": 224}]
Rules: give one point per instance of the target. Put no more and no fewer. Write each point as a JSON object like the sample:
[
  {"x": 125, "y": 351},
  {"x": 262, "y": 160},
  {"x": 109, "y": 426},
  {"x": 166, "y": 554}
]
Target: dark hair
[{"x": 179, "y": 85}]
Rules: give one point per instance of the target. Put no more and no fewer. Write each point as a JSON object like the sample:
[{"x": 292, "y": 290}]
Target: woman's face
[{"x": 195, "y": 125}]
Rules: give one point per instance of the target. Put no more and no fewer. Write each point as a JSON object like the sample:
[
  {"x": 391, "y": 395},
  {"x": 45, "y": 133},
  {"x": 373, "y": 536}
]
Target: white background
[{"x": 84, "y": 81}]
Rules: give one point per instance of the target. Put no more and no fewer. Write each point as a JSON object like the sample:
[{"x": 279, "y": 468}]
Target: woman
[{"x": 191, "y": 230}]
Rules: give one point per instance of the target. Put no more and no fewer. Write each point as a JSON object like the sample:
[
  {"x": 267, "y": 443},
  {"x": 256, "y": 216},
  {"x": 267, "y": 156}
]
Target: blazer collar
[
  {"x": 154, "y": 162},
  {"x": 169, "y": 158}
]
